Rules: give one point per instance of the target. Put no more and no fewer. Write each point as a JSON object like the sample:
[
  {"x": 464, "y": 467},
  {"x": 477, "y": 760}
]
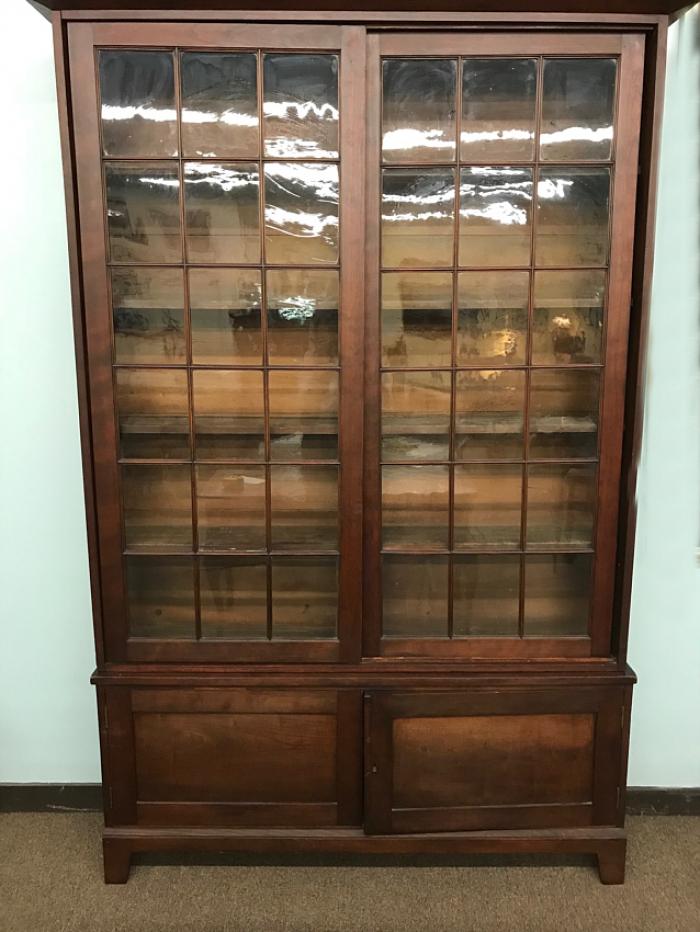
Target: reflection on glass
[
  {"x": 486, "y": 601},
  {"x": 160, "y": 597},
  {"x": 233, "y": 597},
  {"x": 557, "y": 594},
  {"x": 498, "y": 108},
  {"x": 416, "y": 415},
  {"x": 303, "y": 415},
  {"x": 416, "y": 319},
  {"x": 492, "y": 327},
  {"x": 578, "y": 101},
  {"x": 567, "y": 324},
  {"x": 302, "y": 317},
  {"x": 572, "y": 216},
  {"x": 418, "y": 109},
  {"x": 304, "y": 502},
  {"x": 225, "y": 312},
  {"x": 137, "y": 93},
  {"x": 143, "y": 212},
  {"x": 414, "y": 596},
  {"x": 219, "y": 104},
  {"x": 228, "y": 414},
  {"x": 489, "y": 414},
  {"x": 561, "y": 505},
  {"x": 300, "y": 106},
  {"x": 418, "y": 217},
  {"x": 157, "y": 504},
  {"x": 222, "y": 212},
  {"x": 564, "y": 413},
  {"x": 301, "y": 213},
  {"x": 231, "y": 507},
  {"x": 487, "y": 506},
  {"x": 148, "y": 316},
  {"x": 304, "y": 597},
  {"x": 495, "y": 216},
  {"x": 153, "y": 413},
  {"x": 415, "y": 505}
]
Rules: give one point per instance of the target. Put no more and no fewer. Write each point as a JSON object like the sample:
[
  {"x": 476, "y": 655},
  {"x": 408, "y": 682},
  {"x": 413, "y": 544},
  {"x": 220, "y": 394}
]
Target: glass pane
[
  {"x": 228, "y": 415},
  {"x": 577, "y": 108},
  {"x": 137, "y": 93},
  {"x": 304, "y": 597},
  {"x": 418, "y": 110},
  {"x": 157, "y": 507},
  {"x": 160, "y": 597},
  {"x": 301, "y": 213},
  {"x": 495, "y": 216},
  {"x": 568, "y": 317},
  {"x": 417, "y": 319},
  {"x": 561, "y": 504},
  {"x": 498, "y": 108},
  {"x": 148, "y": 315},
  {"x": 303, "y": 415},
  {"x": 416, "y": 415},
  {"x": 143, "y": 212},
  {"x": 153, "y": 413},
  {"x": 415, "y": 596},
  {"x": 231, "y": 507},
  {"x": 489, "y": 414},
  {"x": 564, "y": 413},
  {"x": 487, "y": 506},
  {"x": 415, "y": 507},
  {"x": 222, "y": 212},
  {"x": 304, "y": 502},
  {"x": 492, "y": 328},
  {"x": 233, "y": 597},
  {"x": 557, "y": 594},
  {"x": 225, "y": 306},
  {"x": 572, "y": 216},
  {"x": 486, "y": 595},
  {"x": 219, "y": 105},
  {"x": 418, "y": 217},
  {"x": 300, "y": 106},
  {"x": 302, "y": 317}
]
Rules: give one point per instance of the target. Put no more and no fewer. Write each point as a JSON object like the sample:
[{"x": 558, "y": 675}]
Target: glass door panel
[
  {"x": 493, "y": 292},
  {"x": 228, "y": 315}
]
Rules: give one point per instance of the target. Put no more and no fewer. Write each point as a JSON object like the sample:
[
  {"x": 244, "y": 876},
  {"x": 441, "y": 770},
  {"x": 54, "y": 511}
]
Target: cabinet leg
[
  {"x": 116, "y": 855},
  {"x": 611, "y": 861}
]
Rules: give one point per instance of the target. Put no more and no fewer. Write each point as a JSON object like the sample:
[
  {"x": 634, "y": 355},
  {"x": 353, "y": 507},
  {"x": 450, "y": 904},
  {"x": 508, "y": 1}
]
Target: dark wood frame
[{"x": 118, "y": 673}]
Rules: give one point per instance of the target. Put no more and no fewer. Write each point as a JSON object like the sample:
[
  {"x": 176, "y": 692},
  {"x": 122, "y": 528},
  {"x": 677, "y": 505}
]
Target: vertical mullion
[
  {"x": 264, "y": 335},
  {"x": 528, "y": 348},
  {"x": 453, "y": 354},
  {"x": 187, "y": 317}
]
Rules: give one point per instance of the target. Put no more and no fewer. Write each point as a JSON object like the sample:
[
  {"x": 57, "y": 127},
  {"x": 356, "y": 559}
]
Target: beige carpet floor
[{"x": 51, "y": 881}]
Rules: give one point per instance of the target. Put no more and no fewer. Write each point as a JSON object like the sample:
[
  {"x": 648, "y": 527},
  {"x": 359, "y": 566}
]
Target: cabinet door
[
  {"x": 501, "y": 191},
  {"x": 220, "y": 187},
  {"x": 506, "y": 759},
  {"x": 236, "y": 757}
]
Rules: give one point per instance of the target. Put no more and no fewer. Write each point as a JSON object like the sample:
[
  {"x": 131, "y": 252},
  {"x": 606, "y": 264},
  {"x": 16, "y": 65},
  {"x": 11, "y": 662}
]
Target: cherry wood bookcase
[{"x": 359, "y": 313}]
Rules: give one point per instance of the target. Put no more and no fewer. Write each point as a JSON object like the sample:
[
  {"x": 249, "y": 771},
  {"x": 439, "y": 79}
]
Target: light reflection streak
[
  {"x": 577, "y": 134},
  {"x": 497, "y": 135},
  {"x": 153, "y": 114},
  {"x": 221, "y": 176},
  {"x": 227, "y": 117},
  {"x": 407, "y": 138}
]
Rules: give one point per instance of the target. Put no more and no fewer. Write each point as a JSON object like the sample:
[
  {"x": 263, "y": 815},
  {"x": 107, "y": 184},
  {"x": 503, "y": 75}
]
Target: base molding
[
  {"x": 608, "y": 844},
  {"x": 87, "y": 797}
]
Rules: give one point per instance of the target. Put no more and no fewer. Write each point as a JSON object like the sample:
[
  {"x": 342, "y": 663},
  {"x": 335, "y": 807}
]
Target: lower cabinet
[
  {"x": 433, "y": 761},
  {"x": 501, "y": 759}
]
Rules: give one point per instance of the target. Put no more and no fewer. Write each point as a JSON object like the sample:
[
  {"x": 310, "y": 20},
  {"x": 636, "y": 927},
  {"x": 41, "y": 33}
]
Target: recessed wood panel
[
  {"x": 246, "y": 756},
  {"x": 493, "y": 760}
]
